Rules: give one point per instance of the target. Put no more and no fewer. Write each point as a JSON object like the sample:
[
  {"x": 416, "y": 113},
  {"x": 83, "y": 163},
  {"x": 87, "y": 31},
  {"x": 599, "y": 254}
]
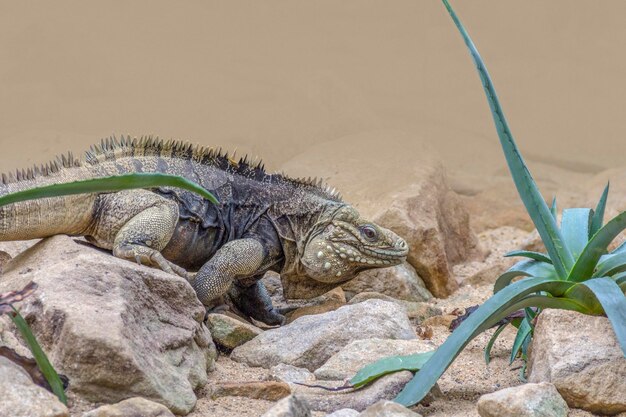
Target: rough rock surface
[
  {"x": 528, "y": 400},
  {"x": 132, "y": 407},
  {"x": 384, "y": 388},
  {"x": 386, "y": 408},
  {"x": 580, "y": 355},
  {"x": 435, "y": 224},
  {"x": 414, "y": 309},
  {"x": 420, "y": 207},
  {"x": 116, "y": 329},
  {"x": 329, "y": 301},
  {"x": 292, "y": 406},
  {"x": 344, "y": 412},
  {"x": 310, "y": 340},
  {"x": 401, "y": 282},
  {"x": 261, "y": 390},
  {"x": 229, "y": 332},
  {"x": 345, "y": 363},
  {"x": 290, "y": 374},
  {"x": 20, "y": 397}
]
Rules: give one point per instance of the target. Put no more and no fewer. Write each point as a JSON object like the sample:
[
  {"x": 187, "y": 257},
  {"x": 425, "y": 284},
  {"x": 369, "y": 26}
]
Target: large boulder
[
  {"x": 115, "y": 328},
  {"x": 411, "y": 197},
  {"x": 20, "y": 397},
  {"x": 581, "y": 356},
  {"x": 309, "y": 341}
]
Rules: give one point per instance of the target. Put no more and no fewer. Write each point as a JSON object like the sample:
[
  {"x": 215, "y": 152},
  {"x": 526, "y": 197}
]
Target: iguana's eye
[{"x": 369, "y": 233}]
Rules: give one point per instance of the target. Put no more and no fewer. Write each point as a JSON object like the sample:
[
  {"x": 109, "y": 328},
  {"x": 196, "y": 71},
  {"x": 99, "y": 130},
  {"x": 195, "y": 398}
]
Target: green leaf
[
  {"x": 522, "y": 333},
  {"x": 553, "y": 208},
  {"x": 492, "y": 341},
  {"x": 537, "y": 256},
  {"x": 525, "y": 268},
  {"x": 40, "y": 357},
  {"x": 508, "y": 300},
  {"x": 598, "y": 215},
  {"x": 535, "y": 205},
  {"x": 610, "y": 265},
  {"x": 108, "y": 184},
  {"x": 612, "y": 298},
  {"x": 596, "y": 247},
  {"x": 575, "y": 227},
  {"x": 388, "y": 365}
]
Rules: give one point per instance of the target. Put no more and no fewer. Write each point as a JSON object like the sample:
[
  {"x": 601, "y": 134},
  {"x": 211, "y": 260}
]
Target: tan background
[{"x": 275, "y": 78}]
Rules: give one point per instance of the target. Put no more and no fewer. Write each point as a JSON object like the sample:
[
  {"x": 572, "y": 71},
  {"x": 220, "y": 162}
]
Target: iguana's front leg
[
  {"x": 254, "y": 301},
  {"x": 240, "y": 258}
]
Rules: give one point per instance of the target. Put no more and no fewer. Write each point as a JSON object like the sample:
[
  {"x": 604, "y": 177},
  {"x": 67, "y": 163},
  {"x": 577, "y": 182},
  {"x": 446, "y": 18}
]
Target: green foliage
[
  {"x": 40, "y": 357},
  {"x": 576, "y": 274},
  {"x": 108, "y": 184}
]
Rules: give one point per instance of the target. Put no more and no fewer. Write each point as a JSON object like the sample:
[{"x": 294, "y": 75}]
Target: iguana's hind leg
[{"x": 137, "y": 225}]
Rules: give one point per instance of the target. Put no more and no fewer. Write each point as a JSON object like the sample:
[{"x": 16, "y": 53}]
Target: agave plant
[{"x": 577, "y": 272}]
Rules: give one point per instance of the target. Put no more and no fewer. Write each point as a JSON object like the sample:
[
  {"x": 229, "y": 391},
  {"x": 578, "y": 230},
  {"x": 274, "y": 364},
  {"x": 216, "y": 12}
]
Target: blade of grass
[
  {"x": 528, "y": 191},
  {"x": 598, "y": 214},
  {"x": 108, "y": 184},
  {"x": 40, "y": 357},
  {"x": 524, "y": 268},
  {"x": 522, "y": 333}
]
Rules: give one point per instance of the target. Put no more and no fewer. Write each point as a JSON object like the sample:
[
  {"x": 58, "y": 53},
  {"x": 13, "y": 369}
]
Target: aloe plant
[{"x": 577, "y": 273}]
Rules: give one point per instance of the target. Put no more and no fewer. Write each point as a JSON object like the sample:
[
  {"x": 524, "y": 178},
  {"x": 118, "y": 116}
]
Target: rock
[
  {"x": 22, "y": 398},
  {"x": 229, "y": 332},
  {"x": 400, "y": 282},
  {"x": 443, "y": 320},
  {"x": 412, "y": 199},
  {"x": 344, "y": 412},
  {"x": 115, "y": 328},
  {"x": 414, "y": 309},
  {"x": 528, "y": 400},
  {"x": 435, "y": 224},
  {"x": 258, "y": 390},
  {"x": 132, "y": 407},
  {"x": 290, "y": 374},
  {"x": 491, "y": 273},
  {"x": 329, "y": 301},
  {"x": 310, "y": 340},
  {"x": 345, "y": 363},
  {"x": 385, "y": 408},
  {"x": 4, "y": 259},
  {"x": 291, "y": 406},
  {"x": 386, "y": 387},
  {"x": 14, "y": 248},
  {"x": 580, "y": 355}
]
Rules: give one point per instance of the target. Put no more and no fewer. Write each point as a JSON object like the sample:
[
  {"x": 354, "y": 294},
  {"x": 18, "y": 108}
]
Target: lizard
[{"x": 299, "y": 228}]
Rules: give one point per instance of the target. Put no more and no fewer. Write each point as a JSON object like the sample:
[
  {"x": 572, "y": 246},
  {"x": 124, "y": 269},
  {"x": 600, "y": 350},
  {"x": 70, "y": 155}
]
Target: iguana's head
[{"x": 346, "y": 244}]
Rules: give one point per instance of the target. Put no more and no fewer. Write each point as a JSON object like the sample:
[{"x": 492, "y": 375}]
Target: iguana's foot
[{"x": 255, "y": 302}]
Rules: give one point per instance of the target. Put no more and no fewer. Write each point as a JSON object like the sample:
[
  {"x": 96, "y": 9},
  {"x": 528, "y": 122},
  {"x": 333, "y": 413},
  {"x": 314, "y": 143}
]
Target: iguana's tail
[{"x": 44, "y": 217}]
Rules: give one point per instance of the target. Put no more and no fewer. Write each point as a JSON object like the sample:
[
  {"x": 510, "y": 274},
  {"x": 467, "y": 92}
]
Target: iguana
[{"x": 264, "y": 222}]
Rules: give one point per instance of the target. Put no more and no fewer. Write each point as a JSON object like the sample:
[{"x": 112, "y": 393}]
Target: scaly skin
[{"x": 264, "y": 222}]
